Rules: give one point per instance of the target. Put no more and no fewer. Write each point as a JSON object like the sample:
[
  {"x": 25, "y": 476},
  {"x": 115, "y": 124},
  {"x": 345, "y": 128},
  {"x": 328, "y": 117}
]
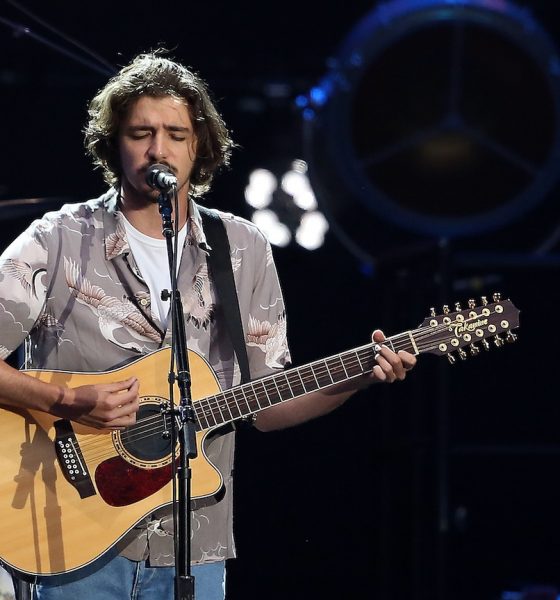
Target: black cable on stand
[{"x": 161, "y": 178}]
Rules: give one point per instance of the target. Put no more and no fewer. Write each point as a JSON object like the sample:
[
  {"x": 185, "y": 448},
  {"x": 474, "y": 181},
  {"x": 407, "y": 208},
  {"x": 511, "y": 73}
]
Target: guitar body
[{"x": 52, "y": 528}]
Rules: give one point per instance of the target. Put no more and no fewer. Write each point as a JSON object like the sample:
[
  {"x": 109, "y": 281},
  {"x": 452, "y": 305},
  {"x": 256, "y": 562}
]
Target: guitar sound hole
[{"x": 147, "y": 440}]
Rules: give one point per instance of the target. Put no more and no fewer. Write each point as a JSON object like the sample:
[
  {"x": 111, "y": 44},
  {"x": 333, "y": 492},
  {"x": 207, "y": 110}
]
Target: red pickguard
[{"x": 119, "y": 483}]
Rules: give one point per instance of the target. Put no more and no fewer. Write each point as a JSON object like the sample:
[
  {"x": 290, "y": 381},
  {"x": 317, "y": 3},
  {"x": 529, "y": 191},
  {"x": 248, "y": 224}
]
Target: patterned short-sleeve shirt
[{"x": 70, "y": 287}]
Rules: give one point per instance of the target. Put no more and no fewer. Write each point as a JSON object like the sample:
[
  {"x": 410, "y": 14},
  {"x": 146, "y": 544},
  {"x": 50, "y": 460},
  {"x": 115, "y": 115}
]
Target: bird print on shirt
[
  {"x": 197, "y": 301},
  {"x": 270, "y": 338},
  {"x": 22, "y": 272},
  {"x": 112, "y": 312},
  {"x": 116, "y": 242}
]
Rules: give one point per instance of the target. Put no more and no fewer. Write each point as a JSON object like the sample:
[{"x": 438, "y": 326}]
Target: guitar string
[
  {"x": 218, "y": 399},
  {"x": 220, "y": 403},
  {"x": 323, "y": 365},
  {"x": 147, "y": 431}
]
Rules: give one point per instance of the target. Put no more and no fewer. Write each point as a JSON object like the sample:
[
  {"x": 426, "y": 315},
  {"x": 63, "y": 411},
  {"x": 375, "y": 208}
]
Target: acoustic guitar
[{"x": 68, "y": 493}]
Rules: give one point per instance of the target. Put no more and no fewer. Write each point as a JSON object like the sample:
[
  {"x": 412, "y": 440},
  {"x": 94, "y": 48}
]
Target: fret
[
  {"x": 274, "y": 381},
  {"x": 309, "y": 382},
  {"x": 238, "y": 399},
  {"x": 322, "y": 375},
  {"x": 414, "y": 347},
  {"x": 354, "y": 368},
  {"x": 299, "y": 374},
  {"x": 209, "y": 413},
  {"x": 287, "y": 379},
  {"x": 367, "y": 357},
  {"x": 312, "y": 369},
  {"x": 220, "y": 412},
  {"x": 272, "y": 392},
  {"x": 227, "y": 405},
  {"x": 295, "y": 382},
  {"x": 334, "y": 366},
  {"x": 283, "y": 386},
  {"x": 249, "y": 396},
  {"x": 201, "y": 420},
  {"x": 260, "y": 399},
  {"x": 406, "y": 341}
]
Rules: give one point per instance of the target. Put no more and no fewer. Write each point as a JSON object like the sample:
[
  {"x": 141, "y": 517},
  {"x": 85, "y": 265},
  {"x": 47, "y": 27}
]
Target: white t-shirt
[{"x": 150, "y": 255}]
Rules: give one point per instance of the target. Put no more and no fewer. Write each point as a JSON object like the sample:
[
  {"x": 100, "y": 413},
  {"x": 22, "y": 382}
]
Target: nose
[{"x": 157, "y": 150}]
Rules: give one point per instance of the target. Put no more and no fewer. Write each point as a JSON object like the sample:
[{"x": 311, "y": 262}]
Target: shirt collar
[
  {"x": 116, "y": 242},
  {"x": 196, "y": 230}
]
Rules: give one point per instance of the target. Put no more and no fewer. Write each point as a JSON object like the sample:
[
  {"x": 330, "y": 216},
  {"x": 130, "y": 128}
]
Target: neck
[{"x": 143, "y": 213}]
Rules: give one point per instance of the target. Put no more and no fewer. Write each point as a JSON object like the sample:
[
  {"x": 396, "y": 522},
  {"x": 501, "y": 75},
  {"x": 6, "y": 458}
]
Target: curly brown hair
[{"x": 154, "y": 75}]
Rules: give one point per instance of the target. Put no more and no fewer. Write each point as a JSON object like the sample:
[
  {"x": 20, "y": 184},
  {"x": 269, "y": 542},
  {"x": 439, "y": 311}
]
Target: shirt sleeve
[
  {"x": 23, "y": 288},
  {"x": 266, "y": 331}
]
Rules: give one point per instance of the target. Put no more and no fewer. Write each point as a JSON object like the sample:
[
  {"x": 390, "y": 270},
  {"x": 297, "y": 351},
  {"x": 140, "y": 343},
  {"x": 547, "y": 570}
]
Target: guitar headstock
[{"x": 471, "y": 327}]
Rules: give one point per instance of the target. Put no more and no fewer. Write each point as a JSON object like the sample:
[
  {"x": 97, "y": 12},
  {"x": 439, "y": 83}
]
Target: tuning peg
[
  {"x": 458, "y": 306},
  {"x": 496, "y": 296},
  {"x": 474, "y": 349},
  {"x": 511, "y": 337},
  {"x": 451, "y": 359},
  {"x": 484, "y": 300},
  {"x": 432, "y": 312},
  {"x": 462, "y": 354},
  {"x": 472, "y": 303},
  {"x": 445, "y": 309},
  {"x": 485, "y": 344},
  {"x": 498, "y": 341}
]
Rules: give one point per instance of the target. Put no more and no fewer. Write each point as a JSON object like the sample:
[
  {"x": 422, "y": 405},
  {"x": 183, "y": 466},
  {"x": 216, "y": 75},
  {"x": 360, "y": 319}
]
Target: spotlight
[{"x": 287, "y": 211}]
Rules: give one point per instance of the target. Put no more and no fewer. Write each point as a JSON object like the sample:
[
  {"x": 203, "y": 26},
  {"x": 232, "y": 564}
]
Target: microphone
[{"x": 160, "y": 177}]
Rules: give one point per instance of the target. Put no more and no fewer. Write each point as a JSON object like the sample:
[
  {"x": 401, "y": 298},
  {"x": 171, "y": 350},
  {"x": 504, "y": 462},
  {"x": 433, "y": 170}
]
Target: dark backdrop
[{"x": 441, "y": 487}]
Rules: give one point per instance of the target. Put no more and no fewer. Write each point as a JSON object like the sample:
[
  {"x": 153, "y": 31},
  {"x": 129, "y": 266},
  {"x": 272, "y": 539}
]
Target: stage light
[
  {"x": 287, "y": 211},
  {"x": 276, "y": 232},
  {"x": 296, "y": 183},
  {"x": 311, "y": 231},
  {"x": 260, "y": 189}
]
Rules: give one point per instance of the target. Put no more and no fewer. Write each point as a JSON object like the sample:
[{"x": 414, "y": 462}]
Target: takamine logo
[{"x": 468, "y": 326}]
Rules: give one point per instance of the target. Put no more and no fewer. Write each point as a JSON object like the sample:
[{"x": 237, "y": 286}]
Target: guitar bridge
[{"x": 71, "y": 460}]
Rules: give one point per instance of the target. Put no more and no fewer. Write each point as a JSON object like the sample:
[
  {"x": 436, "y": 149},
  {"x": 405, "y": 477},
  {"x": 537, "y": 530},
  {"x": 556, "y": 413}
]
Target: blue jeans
[{"x": 123, "y": 579}]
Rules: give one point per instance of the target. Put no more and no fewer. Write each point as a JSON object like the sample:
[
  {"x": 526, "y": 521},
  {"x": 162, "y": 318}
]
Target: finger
[
  {"x": 131, "y": 392},
  {"x": 378, "y": 374},
  {"x": 122, "y": 422},
  {"x": 386, "y": 367},
  {"x": 408, "y": 360},
  {"x": 378, "y": 336},
  {"x": 395, "y": 361},
  {"x": 118, "y": 386},
  {"x": 125, "y": 404},
  {"x": 123, "y": 415},
  {"x": 126, "y": 396}
]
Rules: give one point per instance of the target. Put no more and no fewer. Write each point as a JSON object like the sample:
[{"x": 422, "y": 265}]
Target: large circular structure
[{"x": 441, "y": 117}]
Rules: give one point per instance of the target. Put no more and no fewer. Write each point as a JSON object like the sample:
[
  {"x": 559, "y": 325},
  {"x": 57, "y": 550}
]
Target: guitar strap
[{"x": 219, "y": 263}]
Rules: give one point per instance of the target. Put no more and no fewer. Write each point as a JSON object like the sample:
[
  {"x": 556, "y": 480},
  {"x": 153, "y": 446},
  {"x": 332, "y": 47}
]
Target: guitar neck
[
  {"x": 247, "y": 399},
  {"x": 440, "y": 335}
]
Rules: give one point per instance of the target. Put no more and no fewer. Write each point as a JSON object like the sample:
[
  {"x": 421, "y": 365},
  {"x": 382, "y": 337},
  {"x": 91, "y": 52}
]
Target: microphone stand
[{"x": 183, "y": 416}]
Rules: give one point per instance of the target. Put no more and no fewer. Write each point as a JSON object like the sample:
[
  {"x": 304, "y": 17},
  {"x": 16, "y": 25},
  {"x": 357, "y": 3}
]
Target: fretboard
[{"x": 249, "y": 398}]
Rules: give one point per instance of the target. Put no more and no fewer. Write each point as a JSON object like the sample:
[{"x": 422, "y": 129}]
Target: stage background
[{"x": 444, "y": 486}]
